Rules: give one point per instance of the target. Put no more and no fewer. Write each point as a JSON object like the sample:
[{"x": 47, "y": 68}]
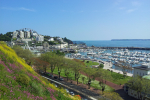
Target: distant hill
[{"x": 130, "y": 40}]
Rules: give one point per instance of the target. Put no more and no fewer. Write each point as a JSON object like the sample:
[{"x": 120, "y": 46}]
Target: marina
[{"x": 111, "y": 57}]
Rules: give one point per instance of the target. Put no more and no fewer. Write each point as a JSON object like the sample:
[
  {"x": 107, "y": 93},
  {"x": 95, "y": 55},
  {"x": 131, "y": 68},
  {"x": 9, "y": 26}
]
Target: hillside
[{"x": 18, "y": 81}]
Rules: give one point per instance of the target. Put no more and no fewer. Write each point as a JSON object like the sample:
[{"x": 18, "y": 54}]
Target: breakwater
[{"x": 130, "y": 48}]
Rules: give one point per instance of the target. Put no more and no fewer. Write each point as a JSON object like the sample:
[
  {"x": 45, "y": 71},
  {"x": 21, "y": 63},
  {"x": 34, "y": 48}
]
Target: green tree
[
  {"x": 101, "y": 66},
  {"x": 24, "y": 53}
]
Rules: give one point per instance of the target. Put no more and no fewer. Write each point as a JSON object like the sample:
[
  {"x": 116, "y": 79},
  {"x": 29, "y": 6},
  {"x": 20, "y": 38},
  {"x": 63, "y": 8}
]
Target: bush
[
  {"x": 112, "y": 95},
  {"x": 101, "y": 65},
  {"x": 36, "y": 89},
  {"x": 23, "y": 79},
  {"x": 3, "y": 90},
  {"x": 1, "y": 67}
]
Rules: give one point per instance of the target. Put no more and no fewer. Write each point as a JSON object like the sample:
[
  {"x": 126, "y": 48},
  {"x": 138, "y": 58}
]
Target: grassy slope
[{"x": 19, "y": 81}]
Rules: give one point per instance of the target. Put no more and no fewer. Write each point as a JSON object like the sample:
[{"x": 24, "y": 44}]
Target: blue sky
[{"x": 78, "y": 19}]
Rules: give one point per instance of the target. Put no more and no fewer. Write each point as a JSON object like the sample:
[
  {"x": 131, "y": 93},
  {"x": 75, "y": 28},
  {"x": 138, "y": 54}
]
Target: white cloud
[
  {"x": 21, "y": 8},
  {"x": 130, "y": 10}
]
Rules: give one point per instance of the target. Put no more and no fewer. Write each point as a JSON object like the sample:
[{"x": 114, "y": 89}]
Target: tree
[
  {"x": 83, "y": 78},
  {"x": 101, "y": 66},
  {"x": 101, "y": 76},
  {"x": 145, "y": 88},
  {"x": 76, "y": 67},
  {"x": 51, "y": 58},
  {"x": 60, "y": 64},
  {"x": 67, "y": 68},
  {"x": 136, "y": 84},
  {"x": 24, "y": 53},
  {"x": 91, "y": 74},
  {"x": 40, "y": 64}
]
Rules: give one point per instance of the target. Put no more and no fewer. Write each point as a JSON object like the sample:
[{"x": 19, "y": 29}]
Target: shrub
[
  {"x": 23, "y": 79},
  {"x": 101, "y": 65},
  {"x": 36, "y": 89},
  {"x": 112, "y": 95},
  {"x": 1, "y": 67},
  {"x": 3, "y": 90}
]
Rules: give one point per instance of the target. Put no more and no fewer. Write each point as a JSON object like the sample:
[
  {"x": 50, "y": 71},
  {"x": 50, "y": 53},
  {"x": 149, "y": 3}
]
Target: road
[{"x": 84, "y": 93}]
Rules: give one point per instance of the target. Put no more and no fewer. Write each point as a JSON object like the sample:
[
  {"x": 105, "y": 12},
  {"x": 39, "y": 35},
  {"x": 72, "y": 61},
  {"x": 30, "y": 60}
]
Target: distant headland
[{"x": 130, "y": 39}]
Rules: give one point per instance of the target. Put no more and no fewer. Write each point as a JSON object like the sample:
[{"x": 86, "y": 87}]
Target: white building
[
  {"x": 60, "y": 39},
  {"x": 51, "y": 39},
  {"x": 142, "y": 70},
  {"x": 15, "y": 33},
  {"x": 28, "y": 34},
  {"x": 40, "y": 38},
  {"x": 35, "y": 34},
  {"x": 21, "y": 34}
]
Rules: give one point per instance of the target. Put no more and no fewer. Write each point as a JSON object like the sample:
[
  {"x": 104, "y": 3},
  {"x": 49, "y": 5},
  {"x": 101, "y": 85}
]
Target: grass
[
  {"x": 94, "y": 83},
  {"x": 91, "y": 63},
  {"x": 117, "y": 78}
]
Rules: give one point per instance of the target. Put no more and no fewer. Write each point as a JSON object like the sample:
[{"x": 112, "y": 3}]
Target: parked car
[
  {"x": 55, "y": 77},
  {"x": 67, "y": 90},
  {"x": 56, "y": 85},
  {"x": 71, "y": 93},
  {"x": 50, "y": 75},
  {"x": 61, "y": 79}
]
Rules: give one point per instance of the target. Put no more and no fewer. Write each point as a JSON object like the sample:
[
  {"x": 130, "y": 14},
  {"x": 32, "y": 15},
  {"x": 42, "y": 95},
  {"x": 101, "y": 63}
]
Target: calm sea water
[{"x": 109, "y": 43}]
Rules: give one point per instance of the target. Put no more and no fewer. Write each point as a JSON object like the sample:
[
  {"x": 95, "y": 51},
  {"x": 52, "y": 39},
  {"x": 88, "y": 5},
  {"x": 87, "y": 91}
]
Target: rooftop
[{"x": 142, "y": 67}]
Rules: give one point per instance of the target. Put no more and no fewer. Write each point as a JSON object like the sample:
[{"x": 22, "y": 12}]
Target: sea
[{"x": 109, "y": 43}]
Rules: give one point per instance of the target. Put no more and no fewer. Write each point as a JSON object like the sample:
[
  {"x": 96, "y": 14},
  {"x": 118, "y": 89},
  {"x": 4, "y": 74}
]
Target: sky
[{"x": 78, "y": 19}]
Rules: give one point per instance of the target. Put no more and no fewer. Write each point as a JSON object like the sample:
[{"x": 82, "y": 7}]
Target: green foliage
[
  {"x": 112, "y": 95},
  {"x": 68, "y": 41},
  {"x": 101, "y": 66},
  {"x": 51, "y": 43},
  {"x": 59, "y": 53},
  {"x": 23, "y": 79},
  {"x": 3, "y": 89},
  {"x": 25, "y": 54},
  {"x": 36, "y": 89},
  {"x": 1, "y": 67},
  {"x": 117, "y": 76},
  {"x": 3, "y": 58},
  {"x": 6, "y": 37},
  {"x": 61, "y": 96}
]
